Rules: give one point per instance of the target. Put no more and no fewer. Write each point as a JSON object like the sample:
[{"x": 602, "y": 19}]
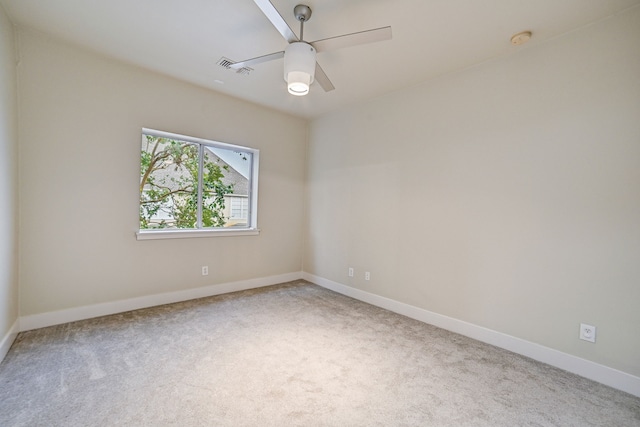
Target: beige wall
[
  {"x": 80, "y": 121},
  {"x": 506, "y": 195},
  {"x": 8, "y": 179}
]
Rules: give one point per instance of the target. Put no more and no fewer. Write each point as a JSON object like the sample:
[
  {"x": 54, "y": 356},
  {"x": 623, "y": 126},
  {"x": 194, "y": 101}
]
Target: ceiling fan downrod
[{"x": 302, "y": 12}]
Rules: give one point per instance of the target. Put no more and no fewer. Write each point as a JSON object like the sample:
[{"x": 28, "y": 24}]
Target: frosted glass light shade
[
  {"x": 299, "y": 67},
  {"x": 298, "y": 83}
]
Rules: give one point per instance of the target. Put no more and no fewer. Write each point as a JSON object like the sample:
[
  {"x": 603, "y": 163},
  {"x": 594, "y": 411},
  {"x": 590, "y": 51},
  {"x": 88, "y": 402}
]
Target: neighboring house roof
[{"x": 231, "y": 176}]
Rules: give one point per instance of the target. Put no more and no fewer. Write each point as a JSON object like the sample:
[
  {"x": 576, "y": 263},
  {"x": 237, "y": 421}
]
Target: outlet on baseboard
[
  {"x": 367, "y": 275},
  {"x": 350, "y": 271},
  {"x": 587, "y": 332},
  {"x": 205, "y": 270}
]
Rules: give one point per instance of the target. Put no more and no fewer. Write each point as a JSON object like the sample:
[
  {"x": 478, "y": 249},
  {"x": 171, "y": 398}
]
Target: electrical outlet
[
  {"x": 205, "y": 270},
  {"x": 587, "y": 332},
  {"x": 367, "y": 275},
  {"x": 350, "y": 271}
]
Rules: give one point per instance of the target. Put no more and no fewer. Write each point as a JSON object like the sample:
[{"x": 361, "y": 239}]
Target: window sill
[{"x": 188, "y": 234}]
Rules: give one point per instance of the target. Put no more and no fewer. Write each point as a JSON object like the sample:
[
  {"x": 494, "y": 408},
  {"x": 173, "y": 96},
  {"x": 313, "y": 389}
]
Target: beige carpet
[{"x": 288, "y": 355}]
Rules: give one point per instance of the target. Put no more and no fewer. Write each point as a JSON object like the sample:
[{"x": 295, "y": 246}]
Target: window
[
  {"x": 192, "y": 187},
  {"x": 239, "y": 208}
]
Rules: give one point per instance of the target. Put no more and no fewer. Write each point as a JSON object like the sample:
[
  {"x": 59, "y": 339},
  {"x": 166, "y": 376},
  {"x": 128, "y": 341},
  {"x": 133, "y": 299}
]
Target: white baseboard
[
  {"x": 585, "y": 368},
  {"x": 8, "y": 339},
  {"x": 42, "y": 320}
]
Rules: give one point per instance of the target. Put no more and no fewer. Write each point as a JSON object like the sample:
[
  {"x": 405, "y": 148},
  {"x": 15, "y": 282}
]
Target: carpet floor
[{"x": 288, "y": 355}]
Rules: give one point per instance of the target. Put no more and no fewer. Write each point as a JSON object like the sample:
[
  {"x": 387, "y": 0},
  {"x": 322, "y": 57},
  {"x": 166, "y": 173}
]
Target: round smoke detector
[{"x": 520, "y": 38}]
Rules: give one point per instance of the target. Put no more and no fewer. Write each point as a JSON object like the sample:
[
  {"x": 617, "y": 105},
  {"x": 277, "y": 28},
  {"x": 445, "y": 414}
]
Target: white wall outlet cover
[{"x": 587, "y": 332}]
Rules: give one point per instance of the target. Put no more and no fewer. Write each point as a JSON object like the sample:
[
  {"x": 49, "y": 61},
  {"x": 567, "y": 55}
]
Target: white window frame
[{"x": 252, "y": 225}]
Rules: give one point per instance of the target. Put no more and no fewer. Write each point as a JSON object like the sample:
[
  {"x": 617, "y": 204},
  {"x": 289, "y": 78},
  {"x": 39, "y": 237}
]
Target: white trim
[
  {"x": 187, "y": 234},
  {"x": 253, "y": 191},
  {"x": 8, "y": 339},
  {"x": 96, "y": 310},
  {"x": 585, "y": 368},
  {"x": 195, "y": 140}
]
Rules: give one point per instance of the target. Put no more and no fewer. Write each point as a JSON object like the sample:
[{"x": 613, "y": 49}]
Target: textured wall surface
[{"x": 8, "y": 179}]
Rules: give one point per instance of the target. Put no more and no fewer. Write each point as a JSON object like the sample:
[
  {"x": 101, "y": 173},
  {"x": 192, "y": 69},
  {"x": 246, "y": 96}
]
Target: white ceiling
[{"x": 185, "y": 39}]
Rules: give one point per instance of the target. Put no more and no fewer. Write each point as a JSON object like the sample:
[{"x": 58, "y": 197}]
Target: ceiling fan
[{"x": 300, "y": 66}]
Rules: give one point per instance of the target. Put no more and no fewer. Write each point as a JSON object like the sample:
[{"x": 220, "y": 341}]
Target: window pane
[
  {"x": 168, "y": 183},
  {"x": 226, "y": 176}
]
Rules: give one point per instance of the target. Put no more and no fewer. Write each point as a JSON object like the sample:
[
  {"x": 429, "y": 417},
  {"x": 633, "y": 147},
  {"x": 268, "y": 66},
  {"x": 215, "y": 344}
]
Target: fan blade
[
  {"x": 322, "y": 79},
  {"x": 258, "y": 60},
  {"x": 353, "y": 39},
  {"x": 277, "y": 20}
]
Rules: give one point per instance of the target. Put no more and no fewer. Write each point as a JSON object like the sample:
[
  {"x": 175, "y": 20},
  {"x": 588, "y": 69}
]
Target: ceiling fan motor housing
[{"x": 299, "y": 67}]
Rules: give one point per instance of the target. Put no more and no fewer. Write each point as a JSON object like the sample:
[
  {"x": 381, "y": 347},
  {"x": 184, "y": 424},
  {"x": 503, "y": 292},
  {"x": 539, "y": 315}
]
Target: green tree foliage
[{"x": 169, "y": 186}]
